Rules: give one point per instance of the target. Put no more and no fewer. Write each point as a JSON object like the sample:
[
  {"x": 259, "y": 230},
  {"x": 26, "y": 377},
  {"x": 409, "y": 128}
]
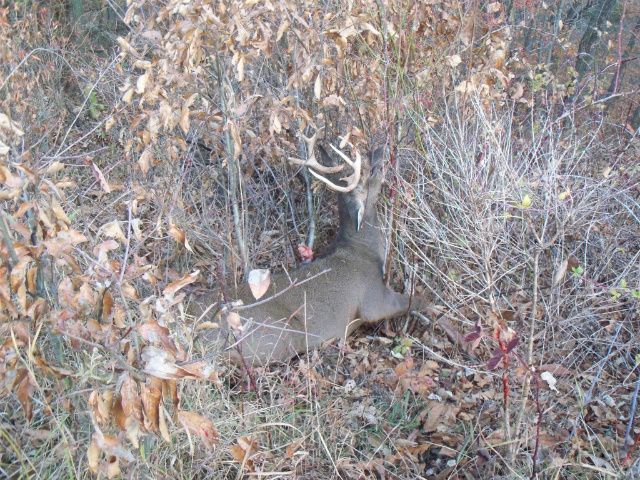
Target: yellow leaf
[
  {"x": 564, "y": 195},
  {"x": 526, "y": 201}
]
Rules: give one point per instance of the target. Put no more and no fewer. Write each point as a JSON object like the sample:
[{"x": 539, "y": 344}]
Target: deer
[{"x": 329, "y": 297}]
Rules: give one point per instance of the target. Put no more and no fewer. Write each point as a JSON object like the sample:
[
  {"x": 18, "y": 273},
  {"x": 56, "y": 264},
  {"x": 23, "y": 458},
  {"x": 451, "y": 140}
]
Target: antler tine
[
  {"x": 311, "y": 162},
  {"x": 352, "y": 180}
]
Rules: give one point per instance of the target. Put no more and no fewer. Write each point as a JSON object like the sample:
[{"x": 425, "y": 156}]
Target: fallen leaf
[
  {"x": 101, "y": 178},
  {"x": 200, "y": 426},
  {"x": 113, "y": 230},
  {"x": 259, "y": 281},
  {"x": 175, "y": 286}
]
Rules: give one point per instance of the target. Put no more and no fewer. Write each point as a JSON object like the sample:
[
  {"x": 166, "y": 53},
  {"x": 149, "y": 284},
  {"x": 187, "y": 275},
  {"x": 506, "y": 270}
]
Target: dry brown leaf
[
  {"x": 151, "y": 396},
  {"x": 157, "y": 334},
  {"x": 130, "y": 398},
  {"x": 179, "y": 236},
  {"x": 63, "y": 242},
  {"x": 101, "y": 178},
  {"x": 58, "y": 211},
  {"x": 146, "y": 160},
  {"x": 174, "y": 287},
  {"x": 101, "y": 406},
  {"x": 317, "y": 87},
  {"x": 129, "y": 291},
  {"x": 560, "y": 272},
  {"x": 199, "y": 369},
  {"x": 23, "y": 387},
  {"x": 243, "y": 451},
  {"x": 184, "y": 119},
  {"x": 436, "y": 413},
  {"x": 284, "y": 26},
  {"x": 159, "y": 363},
  {"x": 141, "y": 83},
  {"x": 164, "y": 430},
  {"x": 454, "y": 60},
  {"x": 199, "y": 426},
  {"x": 54, "y": 167}
]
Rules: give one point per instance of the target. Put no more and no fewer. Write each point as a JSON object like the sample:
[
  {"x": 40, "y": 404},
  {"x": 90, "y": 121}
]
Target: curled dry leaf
[
  {"x": 159, "y": 363},
  {"x": 199, "y": 426},
  {"x": 180, "y": 237},
  {"x": 101, "y": 178},
  {"x": 23, "y": 387},
  {"x": 93, "y": 456},
  {"x": 560, "y": 272},
  {"x": 130, "y": 398},
  {"x": 101, "y": 406},
  {"x": 113, "y": 230},
  {"x": 243, "y": 451},
  {"x": 177, "y": 285},
  {"x": 259, "y": 281},
  {"x": 146, "y": 160},
  {"x": 151, "y": 394},
  {"x": 157, "y": 334}
]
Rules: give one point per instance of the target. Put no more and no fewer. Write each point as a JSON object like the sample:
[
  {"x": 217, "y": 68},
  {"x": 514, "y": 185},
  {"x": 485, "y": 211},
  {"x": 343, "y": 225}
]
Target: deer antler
[
  {"x": 311, "y": 163},
  {"x": 352, "y": 180}
]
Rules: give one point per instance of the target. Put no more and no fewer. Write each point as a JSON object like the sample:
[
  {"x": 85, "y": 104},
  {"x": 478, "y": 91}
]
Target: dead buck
[{"x": 329, "y": 297}]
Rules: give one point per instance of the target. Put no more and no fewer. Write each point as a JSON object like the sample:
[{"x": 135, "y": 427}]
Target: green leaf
[{"x": 577, "y": 271}]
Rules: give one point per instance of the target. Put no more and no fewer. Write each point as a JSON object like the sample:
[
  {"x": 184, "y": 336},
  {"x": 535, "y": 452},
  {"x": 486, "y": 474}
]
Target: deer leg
[{"x": 386, "y": 304}]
